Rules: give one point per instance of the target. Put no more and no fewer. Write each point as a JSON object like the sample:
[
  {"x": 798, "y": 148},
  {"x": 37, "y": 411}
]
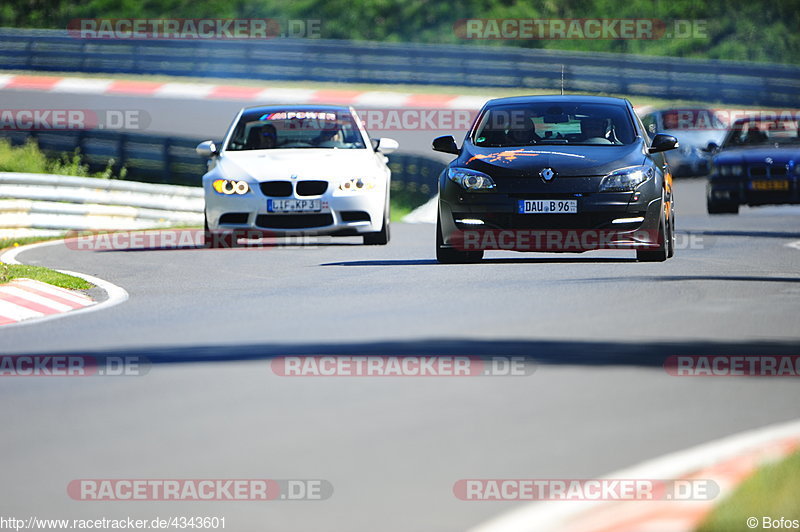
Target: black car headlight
[
  {"x": 470, "y": 179},
  {"x": 626, "y": 179},
  {"x": 229, "y": 186}
]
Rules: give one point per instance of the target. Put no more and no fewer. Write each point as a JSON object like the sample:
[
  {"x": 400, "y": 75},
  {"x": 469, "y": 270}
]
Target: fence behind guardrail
[{"x": 370, "y": 62}]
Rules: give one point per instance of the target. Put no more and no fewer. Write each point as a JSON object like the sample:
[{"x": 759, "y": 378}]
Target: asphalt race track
[{"x": 599, "y": 325}]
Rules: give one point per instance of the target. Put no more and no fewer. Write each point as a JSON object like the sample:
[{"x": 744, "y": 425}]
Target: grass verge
[
  {"x": 9, "y": 272},
  {"x": 21, "y": 241},
  {"x": 400, "y": 210},
  {"x": 771, "y": 492}
]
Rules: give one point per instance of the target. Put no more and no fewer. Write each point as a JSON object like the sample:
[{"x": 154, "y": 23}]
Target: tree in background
[{"x": 752, "y": 30}]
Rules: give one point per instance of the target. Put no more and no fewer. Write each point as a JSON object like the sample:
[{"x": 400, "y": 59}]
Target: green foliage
[
  {"x": 755, "y": 30},
  {"x": 29, "y": 158}
]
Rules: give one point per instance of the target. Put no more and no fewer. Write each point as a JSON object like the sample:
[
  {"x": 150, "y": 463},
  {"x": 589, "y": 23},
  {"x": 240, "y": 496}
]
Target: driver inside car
[
  {"x": 593, "y": 131},
  {"x": 331, "y": 135},
  {"x": 522, "y": 132}
]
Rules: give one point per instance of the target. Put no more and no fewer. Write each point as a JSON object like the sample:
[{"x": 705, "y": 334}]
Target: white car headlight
[
  {"x": 470, "y": 179},
  {"x": 357, "y": 184},
  {"x": 626, "y": 179},
  {"x": 229, "y": 186}
]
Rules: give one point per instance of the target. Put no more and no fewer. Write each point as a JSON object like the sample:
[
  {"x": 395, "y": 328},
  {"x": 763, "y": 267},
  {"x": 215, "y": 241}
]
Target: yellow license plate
[{"x": 780, "y": 184}]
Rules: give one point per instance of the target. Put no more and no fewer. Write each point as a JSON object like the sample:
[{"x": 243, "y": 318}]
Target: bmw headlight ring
[
  {"x": 730, "y": 169},
  {"x": 356, "y": 184},
  {"x": 230, "y": 186}
]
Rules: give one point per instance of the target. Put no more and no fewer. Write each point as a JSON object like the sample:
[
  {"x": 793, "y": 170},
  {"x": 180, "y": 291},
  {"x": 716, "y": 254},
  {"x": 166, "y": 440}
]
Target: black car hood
[
  {"x": 565, "y": 160},
  {"x": 780, "y": 156}
]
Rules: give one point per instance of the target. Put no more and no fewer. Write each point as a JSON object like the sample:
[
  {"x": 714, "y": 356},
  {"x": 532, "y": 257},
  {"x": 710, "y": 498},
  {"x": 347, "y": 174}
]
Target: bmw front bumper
[
  {"x": 341, "y": 214},
  {"x": 603, "y": 220}
]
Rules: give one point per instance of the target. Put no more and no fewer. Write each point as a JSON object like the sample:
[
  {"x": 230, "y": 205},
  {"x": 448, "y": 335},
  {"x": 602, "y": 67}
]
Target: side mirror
[
  {"x": 445, "y": 144},
  {"x": 385, "y": 145},
  {"x": 712, "y": 147},
  {"x": 207, "y": 148},
  {"x": 663, "y": 142}
]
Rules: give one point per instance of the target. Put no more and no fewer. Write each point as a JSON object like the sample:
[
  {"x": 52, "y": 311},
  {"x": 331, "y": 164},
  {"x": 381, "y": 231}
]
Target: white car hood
[{"x": 308, "y": 163}]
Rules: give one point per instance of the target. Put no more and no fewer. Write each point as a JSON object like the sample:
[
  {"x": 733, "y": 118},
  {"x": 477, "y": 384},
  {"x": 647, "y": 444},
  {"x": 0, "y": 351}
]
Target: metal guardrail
[
  {"x": 147, "y": 158},
  {"x": 42, "y": 204},
  {"x": 739, "y": 83},
  {"x": 173, "y": 160}
]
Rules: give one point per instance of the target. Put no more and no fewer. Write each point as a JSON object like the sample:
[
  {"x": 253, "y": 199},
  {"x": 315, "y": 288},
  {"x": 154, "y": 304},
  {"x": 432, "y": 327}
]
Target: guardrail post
[{"x": 167, "y": 160}]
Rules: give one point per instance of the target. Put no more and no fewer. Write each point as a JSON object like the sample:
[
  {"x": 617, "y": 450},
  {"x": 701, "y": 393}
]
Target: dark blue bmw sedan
[{"x": 757, "y": 164}]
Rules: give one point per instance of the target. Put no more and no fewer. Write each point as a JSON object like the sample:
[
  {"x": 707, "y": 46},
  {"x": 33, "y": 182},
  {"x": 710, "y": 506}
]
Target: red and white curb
[
  {"x": 23, "y": 301},
  {"x": 727, "y": 462},
  {"x": 205, "y": 91}
]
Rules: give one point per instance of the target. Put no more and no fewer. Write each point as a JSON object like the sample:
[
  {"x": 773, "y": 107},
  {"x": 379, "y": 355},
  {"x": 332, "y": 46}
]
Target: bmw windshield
[
  {"x": 295, "y": 129},
  {"x": 761, "y": 133}
]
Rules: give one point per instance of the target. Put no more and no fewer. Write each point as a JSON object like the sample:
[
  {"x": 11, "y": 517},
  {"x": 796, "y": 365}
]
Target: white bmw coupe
[{"x": 297, "y": 170}]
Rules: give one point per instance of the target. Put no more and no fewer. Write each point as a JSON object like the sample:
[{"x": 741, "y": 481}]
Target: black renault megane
[{"x": 556, "y": 173}]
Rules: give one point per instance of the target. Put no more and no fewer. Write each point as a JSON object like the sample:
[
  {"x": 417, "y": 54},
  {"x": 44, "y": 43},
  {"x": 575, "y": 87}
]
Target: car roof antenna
[{"x": 562, "y": 80}]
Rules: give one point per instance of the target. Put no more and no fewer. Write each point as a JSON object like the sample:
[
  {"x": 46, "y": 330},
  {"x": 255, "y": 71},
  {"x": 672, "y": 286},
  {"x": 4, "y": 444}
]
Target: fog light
[
  {"x": 636, "y": 220},
  {"x": 470, "y": 221}
]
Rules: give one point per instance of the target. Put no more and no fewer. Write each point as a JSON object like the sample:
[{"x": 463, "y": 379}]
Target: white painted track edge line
[
  {"x": 115, "y": 294},
  {"x": 549, "y": 517}
]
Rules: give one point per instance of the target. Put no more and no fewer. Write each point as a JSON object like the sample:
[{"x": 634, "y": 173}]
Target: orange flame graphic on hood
[{"x": 503, "y": 156}]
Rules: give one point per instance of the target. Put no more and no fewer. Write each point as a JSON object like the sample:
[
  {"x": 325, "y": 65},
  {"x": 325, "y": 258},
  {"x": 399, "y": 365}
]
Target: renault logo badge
[{"x": 547, "y": 174}]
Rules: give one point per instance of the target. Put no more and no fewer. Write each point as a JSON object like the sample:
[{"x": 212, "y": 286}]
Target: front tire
[
  {"x": 661, "y": 253},
  {"x": 720, "y": 207},
  {"x": 380, "y": 238},
  {"x": 450, "y": 255},
  {"x": 716, "y": 207},
  {"x": 214, "y": 240},
  {"x": 671, "y": 235}
]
